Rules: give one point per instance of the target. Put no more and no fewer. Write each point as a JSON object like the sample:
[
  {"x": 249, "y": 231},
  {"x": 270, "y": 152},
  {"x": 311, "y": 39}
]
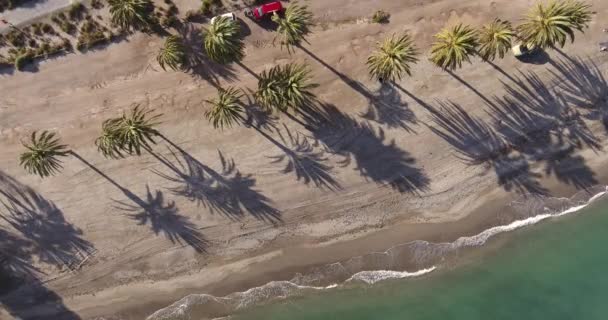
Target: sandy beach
[{"x": 394, "y": 164}]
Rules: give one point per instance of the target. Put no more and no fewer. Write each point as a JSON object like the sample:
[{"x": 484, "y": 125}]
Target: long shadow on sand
[
  {"x": 358, "y": 142},
  {"x": 385, "y": 106},
  {"x": 162, "y": 216},
  {"x": 36, "y": 231},
  {"x": 228, "y": 192}
]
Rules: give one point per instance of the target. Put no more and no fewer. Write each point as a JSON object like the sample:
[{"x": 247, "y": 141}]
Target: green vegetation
[
  {"x": 393, "y": 58},
  {"x": 211, "y": 7},
  {"x": 134, "y": 131},
  {"x": 495, "y": 39},
  {"x": 108, "y": 143},
  {"x": 284, "y": 87},
  {"x": 130, "y": 14},
  {"x": 381, "y": 17},
  {"x": 223, "y": 42},
  {"x": 226, "y": 109},
  {"x": 552, "y": 24},
  {"x": 172, "y": 54},
  {"x": 453, "y": 46},
  {"x": 294, "y": 26},
  {"x": 43, "y": 153}
]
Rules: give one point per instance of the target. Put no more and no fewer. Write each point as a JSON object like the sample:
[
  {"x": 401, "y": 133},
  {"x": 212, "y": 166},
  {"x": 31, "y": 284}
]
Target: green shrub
[
  {"x": 76, "y": 11},
  {"x": 96, "y": 4},
  {"x": 23, "y": 59},
  {"x": 168, "y": 22},
  {"x": 192, "y": 15},
  {"x": 48, "y": 29},
  {"x": 209, "y": 7},
  {"x": 380, "y": 17}
]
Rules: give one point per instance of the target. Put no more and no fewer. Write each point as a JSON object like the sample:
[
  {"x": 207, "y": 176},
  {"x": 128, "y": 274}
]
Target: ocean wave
[{"x": 371, "y": 268}]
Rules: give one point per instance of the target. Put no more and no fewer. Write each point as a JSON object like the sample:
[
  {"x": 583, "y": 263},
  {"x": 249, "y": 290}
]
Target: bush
[
  {"x": 192, "y": 15},
  {"x": 168, "y": 22},
  {"x": 211, "y": 6},
  {"x": 76, "y": 11},
  {"x": 47, "y": 28},
  {"x": 96, "y": 4},
  {"x": 380, "y": 17},
  {"x": 23, "y": 59},
  {"x": 37, "y": 28}
]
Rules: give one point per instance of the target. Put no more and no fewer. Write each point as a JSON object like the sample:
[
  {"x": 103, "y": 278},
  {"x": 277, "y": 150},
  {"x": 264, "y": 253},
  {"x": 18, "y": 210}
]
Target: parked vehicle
[
  {"x": 229, "y": 15},
  {"x": 522, "y": 50},
  {"x": 259, "y": 12}
]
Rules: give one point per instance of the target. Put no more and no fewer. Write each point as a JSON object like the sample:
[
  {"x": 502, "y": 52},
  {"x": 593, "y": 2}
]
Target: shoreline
[{"x": 283, "y": 264}]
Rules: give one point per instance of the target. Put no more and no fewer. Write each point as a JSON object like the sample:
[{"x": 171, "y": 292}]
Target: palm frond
[
  {"x": 453, "y": 46},
  {"x": 172, "y": 54},
  {"x": 393, "y": 58},
  {"x": 109, "y": 144},
  {"x": 284, "y": 87},
  {"x": 129, "y": 13},
  {"x": 548, "y": 25},
  {"x": 495, "y": 39},
  {"x": 136, "y": 131},
  {"x": 579, "y": 13},
  {"x": 223, "y": 42},
  {"x": 294, "y": 26},
  {"x": 226, "y": 109},
  {"x": 42, "y": 155}
]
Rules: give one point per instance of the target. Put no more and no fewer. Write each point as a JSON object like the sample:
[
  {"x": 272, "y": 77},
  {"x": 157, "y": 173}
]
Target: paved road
[{"x": 32, "y": 10}]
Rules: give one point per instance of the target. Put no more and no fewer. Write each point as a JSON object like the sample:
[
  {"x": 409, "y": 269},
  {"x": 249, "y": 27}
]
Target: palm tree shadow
[
  {"x": 583, "y": 85},
  {"x": 304, "y": 158},
  {"x": 388, "y": 108},
  {"x": 385, "y": 107},
  {"x": 52, "y": 239},
  {"x": 542, "y": 125},
  {"x": 228, "y": 192},
  {"x": 39, "y": 233},
  {"x": 476, "y": 143},
  {"x": 359, "y": 143},
  {"x": 164, "y": 218},
  {"x": 198, "y": 63}
]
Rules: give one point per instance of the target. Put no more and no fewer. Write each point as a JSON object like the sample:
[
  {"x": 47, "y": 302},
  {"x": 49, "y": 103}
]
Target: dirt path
[{"x": 206, "y": 198}]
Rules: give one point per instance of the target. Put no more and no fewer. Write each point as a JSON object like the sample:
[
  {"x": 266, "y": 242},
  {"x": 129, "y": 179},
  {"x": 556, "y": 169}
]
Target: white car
[
  {"x": 522, "y": 50},
  {"x": 229, "y": 15}
]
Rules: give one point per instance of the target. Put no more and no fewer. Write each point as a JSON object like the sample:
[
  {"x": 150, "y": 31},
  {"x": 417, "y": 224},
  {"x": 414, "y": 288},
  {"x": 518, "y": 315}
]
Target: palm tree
[
  {"x": 172, "y": 54},
  {"x": 285, "y": 87},
  {"x": 295, "y": 26},
  {"x": 135, "y": 131},
  {"x": 108, "y": 143},
  {"x": 223, "y": 42},
  {"x": 42, "y": 155},
  {"x": 495, "y": 39},
  {"x": 552, "y": 24},
  {"x": 226, "y": 109},
  {"x": 297, "y": 85},
  {"x": 269, "y": 92},
  {"x": 579, "y": 13},
  {"x": 129, "y": 13},
  {"x": 393, "y": 58},
  {"x": 453, "y": 46}
]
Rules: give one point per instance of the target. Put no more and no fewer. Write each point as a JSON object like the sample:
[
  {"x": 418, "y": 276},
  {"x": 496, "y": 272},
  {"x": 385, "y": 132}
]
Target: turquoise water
[{"x": 557, "y": 269}]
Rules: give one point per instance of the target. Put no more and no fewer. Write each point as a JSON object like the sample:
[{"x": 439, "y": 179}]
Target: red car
[{"x": 260, "y": 12}]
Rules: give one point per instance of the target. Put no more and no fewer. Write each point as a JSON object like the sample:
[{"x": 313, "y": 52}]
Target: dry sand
[{"x": 386, "y": 170}]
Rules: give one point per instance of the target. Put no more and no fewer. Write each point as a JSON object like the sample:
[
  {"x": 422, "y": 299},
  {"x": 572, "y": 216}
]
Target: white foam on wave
[
  {"x": 283, "y": 289},
  {"x": 371, "y": 277}
]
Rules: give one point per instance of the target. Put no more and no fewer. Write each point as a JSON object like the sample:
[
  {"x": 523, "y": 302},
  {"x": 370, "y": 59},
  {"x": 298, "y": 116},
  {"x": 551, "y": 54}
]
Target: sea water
[{"x": 557, "y": 269}]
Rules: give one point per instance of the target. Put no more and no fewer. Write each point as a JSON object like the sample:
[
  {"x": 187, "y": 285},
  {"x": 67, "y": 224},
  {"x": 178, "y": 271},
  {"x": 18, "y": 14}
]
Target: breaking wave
[{"x": 423, "y": 256}]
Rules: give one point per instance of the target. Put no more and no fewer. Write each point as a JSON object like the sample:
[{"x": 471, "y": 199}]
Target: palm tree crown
[
  {"x": 393, "y": 58},
  {"x": 109, "y": 143},
  {"x": 552, "y": 24},
  {"x": 135, "y": 131},
  {"x": 295, "y": 26},
  {"x": 42, "y": 155},
  {"x": 223, "y": 42},
  {"x": 495, "y": 39},
  {"x": 226, "y": 109},
  {"x": 172, "y": 53},
  {"x": 286, "y": 86},
  {"x": 129, "y": 13},
  {"x": 453, "y": 46}
]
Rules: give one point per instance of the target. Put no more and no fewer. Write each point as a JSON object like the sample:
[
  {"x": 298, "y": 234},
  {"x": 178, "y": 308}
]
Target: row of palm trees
[
  {"x": 544, "y": 26},
  {"x": 289, "y": 86}
]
